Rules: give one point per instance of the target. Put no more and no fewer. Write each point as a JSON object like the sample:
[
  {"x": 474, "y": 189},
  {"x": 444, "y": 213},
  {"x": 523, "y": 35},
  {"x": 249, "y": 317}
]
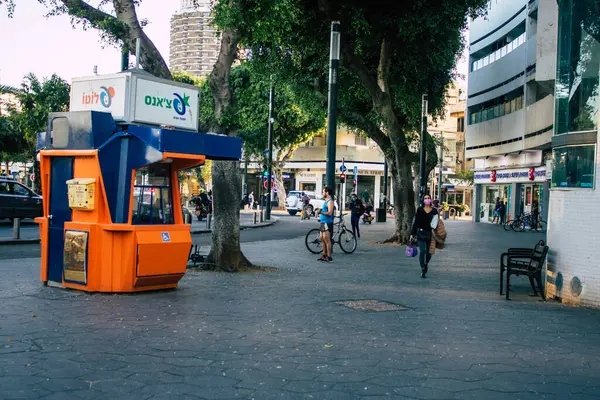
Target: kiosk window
[{"x": 152, "y": 200}]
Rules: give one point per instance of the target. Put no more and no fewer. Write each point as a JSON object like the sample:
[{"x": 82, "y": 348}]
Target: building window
[
  {"x": 495, "y": 55},
  {"x": 577, "y": 104},
  {"x": 360, "y": 140},
  {"x": 573, "y": 166},
  {"x": 460, "y": 124},
  {"x": 496, "y": 108}
]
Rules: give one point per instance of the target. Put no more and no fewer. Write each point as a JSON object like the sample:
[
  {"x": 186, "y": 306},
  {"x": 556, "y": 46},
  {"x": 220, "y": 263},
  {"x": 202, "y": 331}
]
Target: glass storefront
[
  {"x": 492, "y": 192},
  {"x": 577, "y": 90}
]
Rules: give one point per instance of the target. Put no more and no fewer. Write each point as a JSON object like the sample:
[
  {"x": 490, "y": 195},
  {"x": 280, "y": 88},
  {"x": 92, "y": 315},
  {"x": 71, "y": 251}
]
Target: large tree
[
  {"x": 119, "y": 24},
  {"x": 392, "y": 53},
  {"x": 29, "y": 115},
  {"x": 298, "y": 117}
]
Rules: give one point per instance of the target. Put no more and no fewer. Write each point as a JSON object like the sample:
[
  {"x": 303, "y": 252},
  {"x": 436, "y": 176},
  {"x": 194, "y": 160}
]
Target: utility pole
[
  {"x": 270, "y": 155},
  {"x": 441, "y": 167},
  {"x": 423, "y": 153},
  {"x": 334, "y": 65},
  {"x": 124, "y": 59}
]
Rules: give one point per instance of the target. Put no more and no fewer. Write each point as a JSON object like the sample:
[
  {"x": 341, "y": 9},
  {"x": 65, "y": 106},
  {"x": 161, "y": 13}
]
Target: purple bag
[{"x": 411, "y": 251}]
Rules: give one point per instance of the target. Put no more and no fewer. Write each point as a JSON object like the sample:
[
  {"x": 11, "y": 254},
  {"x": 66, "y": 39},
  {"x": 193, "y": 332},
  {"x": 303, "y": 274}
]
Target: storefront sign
[
  {"x": 511, "y": 175},
  {"x": 369, "y": 172},
  {"x": 306, "y": 176}
]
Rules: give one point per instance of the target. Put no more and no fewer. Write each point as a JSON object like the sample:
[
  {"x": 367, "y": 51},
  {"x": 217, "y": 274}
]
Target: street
[
  {"x": 294, "y": 333},
  {"x": 287, "y": 227}
]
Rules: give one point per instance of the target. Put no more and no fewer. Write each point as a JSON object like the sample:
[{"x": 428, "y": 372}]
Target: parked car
[
  {"x": 293, "y": 203},
  {"x": 18, "y": 201}
]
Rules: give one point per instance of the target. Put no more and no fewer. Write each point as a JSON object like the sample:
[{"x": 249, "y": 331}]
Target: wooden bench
[
  {"x": 520, "y": 262},
  {"x": 515, "y": 251}
]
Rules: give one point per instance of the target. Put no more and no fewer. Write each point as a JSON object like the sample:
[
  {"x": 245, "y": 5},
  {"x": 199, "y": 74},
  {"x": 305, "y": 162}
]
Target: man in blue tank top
[{"x": 326, "y": 227}]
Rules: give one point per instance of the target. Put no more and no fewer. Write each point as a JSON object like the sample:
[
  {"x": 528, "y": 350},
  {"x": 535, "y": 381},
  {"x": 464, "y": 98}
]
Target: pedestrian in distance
[
  {"x": 502, "y": 212},
  {"x": 426, "y": 219},
  {"x": 251, "y": 200},
  {"x": 357, "y": 210},
  {"x": 326, "y": 224},
  {"x": 496, "y": 219}
]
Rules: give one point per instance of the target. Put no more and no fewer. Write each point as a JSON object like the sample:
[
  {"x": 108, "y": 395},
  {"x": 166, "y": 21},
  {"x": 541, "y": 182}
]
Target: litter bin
[{"x": 380, "y": 215}]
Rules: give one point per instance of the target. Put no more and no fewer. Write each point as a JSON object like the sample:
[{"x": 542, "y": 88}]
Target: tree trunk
[
  {"x": 225, "y": 253},
  {"x": 281, "y": 194},
  {"x": 404, "y": 199}
]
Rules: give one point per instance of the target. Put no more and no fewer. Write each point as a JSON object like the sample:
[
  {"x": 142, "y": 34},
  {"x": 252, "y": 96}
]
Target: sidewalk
[
  {"x": 284, "y": 334},
  {"x": 30, "y": 232}
]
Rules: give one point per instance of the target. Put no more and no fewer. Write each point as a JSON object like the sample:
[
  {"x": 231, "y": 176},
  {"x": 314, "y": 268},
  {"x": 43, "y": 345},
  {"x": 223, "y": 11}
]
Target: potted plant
[{"x": 446, "y": 210}]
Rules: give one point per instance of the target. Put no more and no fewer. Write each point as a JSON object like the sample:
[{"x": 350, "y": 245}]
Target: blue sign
[
  {"x": 356, "y": 170},
  {"x": 343, "y": 168},
  {"x": 166, "y": 237}
]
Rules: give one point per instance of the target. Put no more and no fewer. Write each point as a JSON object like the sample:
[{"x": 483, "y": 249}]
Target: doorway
[
  {"x": 61, "y": 170},
  {"x": 530, "y": 195}
]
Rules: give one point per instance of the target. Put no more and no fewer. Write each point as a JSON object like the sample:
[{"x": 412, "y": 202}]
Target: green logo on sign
[{"x": 178, "y": 102}]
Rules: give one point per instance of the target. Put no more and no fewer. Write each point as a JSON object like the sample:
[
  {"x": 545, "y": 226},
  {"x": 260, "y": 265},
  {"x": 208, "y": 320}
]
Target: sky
[{"x": 30, "y": 42}]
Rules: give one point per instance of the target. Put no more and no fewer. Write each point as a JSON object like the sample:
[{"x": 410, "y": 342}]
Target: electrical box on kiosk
[{"x": 112, "y": 217}]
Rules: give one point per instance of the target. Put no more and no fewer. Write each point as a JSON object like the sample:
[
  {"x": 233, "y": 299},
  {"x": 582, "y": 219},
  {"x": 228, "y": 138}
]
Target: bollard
[
  {"x": 17, "y": 228},
  {"x": 254, "y": 218},
  {"x": 188, "y": 219},
  {"x": 208, "y": 221},
  {"x": 262, "y": 217}
]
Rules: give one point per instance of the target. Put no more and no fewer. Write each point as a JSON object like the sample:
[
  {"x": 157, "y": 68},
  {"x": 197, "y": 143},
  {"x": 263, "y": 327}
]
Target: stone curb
[
  {"x": 18, "y": 241},
  {"x": 242, "y": 227}
]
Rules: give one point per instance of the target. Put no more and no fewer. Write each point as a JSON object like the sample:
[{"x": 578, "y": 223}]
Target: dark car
[{"x": 18, "y": 201}]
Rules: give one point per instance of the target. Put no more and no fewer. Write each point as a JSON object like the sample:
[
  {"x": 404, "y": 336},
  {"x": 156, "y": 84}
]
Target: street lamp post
[
  {"x": 334, "y": 65},
  {"x": 423, "y": 152},
  {"x": 441, "y": 167},
  {"x": 270, "y": 155}
]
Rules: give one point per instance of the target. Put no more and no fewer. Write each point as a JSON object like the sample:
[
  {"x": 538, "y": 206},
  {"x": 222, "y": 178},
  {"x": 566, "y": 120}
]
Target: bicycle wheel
[
  {"x": 507, "y": 225},
  {"x": 347, "y": 241},
  {"x": 518, "y": 225},
  {"x": 313, "y": 241},
  {"x": 541, "y": 227}
]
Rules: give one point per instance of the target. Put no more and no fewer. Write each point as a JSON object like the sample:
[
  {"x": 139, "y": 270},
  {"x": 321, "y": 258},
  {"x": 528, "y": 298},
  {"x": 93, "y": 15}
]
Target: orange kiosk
[{"x": 112, "y": 213}]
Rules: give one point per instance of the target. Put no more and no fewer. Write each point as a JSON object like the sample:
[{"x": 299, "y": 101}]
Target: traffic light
[
  {"x": 342, "y": 178},
  {"x": 354, "y": 183},
  {"x": 265, "y": 171}
]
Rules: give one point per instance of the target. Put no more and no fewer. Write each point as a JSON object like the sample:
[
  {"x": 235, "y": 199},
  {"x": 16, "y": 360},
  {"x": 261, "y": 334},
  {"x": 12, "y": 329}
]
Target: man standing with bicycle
[{"x": 326, "y": 224}]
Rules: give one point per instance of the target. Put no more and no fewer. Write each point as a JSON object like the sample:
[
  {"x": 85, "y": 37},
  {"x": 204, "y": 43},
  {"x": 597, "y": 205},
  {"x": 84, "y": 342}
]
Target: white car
[{"x": 293, "y": 203}]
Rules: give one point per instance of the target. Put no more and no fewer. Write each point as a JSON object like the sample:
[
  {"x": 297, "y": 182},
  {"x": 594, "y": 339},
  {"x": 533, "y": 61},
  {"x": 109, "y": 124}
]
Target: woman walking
[
  {"x": 425, "y": 221},
  {"x": 357, "y": 209}
]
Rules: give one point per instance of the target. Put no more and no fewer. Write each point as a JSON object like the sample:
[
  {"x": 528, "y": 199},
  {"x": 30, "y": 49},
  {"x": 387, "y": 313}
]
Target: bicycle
[
  {"x": 344, "y": 237},
  {"x": 527, "y": 221}
]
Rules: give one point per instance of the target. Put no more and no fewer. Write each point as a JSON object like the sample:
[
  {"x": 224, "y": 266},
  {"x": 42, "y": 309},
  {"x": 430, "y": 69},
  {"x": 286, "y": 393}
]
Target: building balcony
[
  {"x": 539, "y": 121},
  {"x": 496, "y": 136},
  {"x": 349, "y": 153}
]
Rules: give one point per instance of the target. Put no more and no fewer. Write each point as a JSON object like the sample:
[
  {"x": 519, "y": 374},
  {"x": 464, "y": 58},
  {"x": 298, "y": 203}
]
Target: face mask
[{"x": 427, "y": 202}]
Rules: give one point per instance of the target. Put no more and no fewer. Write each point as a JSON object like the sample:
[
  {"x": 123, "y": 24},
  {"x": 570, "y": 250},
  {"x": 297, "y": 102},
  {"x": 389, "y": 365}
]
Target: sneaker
[
  {"x": 329, "y": 259},
  {"x": 322, "y": 258}
]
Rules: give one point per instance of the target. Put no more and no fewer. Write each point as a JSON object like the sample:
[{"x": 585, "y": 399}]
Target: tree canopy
[{"x": 392, "y": 54}]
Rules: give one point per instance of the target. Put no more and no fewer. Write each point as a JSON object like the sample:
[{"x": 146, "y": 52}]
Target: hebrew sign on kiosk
[
  {"x": 134, "y": 97},
  {"x": 112, "y": 219}
]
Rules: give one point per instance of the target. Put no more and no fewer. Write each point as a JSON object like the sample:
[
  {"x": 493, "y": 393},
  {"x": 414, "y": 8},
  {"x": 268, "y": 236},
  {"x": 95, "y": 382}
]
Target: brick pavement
[{"x": 282, "y": 335}]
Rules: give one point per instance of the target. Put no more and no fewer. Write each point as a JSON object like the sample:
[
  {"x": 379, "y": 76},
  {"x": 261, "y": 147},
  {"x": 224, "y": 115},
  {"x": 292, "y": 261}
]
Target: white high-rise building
[{"x": 194, "y": 40}]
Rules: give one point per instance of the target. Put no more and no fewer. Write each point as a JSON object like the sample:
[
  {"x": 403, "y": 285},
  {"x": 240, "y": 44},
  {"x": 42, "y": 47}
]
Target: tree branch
[
  {"x": 383, "y": 71},
  {"x": 218, "y": 80},
  {"x": 124, "y": 27},
  {"x": 371, "y": 129}
]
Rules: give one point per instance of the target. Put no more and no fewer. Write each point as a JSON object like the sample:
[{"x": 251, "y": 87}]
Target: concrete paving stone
[
  {"x": 284, "y": 328},
  {"x": 307, "y": 387},
  {"x": 63, "y": 384},
  {"x": 211, "y": 381},
  {"x": 423, "y": 393},
  {"x": 267, "y": 383},
  {"x": 363, "y": 389}
]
